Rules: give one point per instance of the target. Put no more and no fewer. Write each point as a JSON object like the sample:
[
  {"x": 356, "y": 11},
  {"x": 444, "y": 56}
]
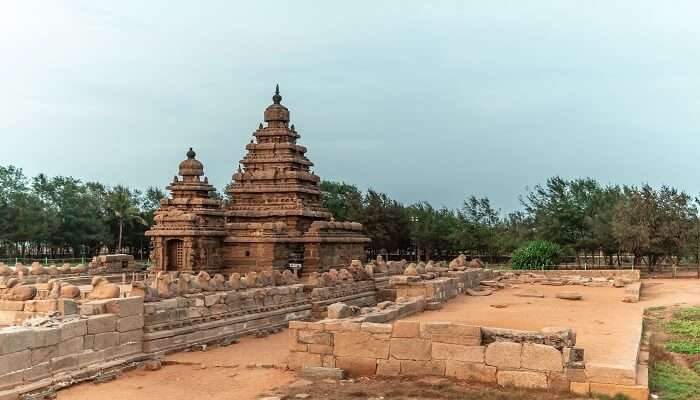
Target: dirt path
[{"x": 209, "y": 375}]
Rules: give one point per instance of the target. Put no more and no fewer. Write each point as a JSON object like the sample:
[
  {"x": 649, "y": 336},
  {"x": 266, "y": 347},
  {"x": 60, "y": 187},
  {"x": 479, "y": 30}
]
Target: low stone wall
[
  {"x": 178, "y": 323},
  {"x": 631, "y": 275},
  {"x": 113, "y": 330},
  {"x": 537, "y": 360},
  {"x": 439, "y": 289}
]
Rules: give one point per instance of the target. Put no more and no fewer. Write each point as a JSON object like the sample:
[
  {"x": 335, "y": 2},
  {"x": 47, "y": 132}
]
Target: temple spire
[
  {"x": 277, "y": 98},
  {"x": 191, "y": 154}
]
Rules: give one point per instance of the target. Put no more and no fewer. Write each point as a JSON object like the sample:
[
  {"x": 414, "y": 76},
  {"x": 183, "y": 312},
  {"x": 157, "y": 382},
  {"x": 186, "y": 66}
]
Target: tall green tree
[{"x": 124, "y": 209}]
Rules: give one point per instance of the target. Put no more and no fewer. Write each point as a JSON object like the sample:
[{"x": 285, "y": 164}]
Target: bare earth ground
[{"x": 605, "y": 327}]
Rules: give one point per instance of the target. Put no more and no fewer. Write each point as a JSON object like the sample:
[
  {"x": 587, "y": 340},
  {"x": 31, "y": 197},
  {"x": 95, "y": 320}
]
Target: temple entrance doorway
[{"x": 175, "y": 255}]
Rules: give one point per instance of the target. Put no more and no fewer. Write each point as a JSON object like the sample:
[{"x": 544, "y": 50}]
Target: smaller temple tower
[{"x": 189, "y": 226}]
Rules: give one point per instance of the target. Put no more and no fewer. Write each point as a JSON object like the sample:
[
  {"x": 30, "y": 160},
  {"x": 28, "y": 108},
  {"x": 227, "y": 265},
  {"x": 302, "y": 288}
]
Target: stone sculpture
[
  {"x": 103, "y": 289},
  {"x": 17, "y": 291}
]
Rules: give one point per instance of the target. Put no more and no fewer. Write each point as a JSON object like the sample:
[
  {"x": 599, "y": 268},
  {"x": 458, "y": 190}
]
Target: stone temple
[{"x": 274, "y": 216}]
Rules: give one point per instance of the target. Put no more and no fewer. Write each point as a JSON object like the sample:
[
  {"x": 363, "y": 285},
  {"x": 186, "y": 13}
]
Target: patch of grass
[
  {"x": 689, "y": 314},
  {"x": 696, "y": 367},
  {"x": 674, "y": 382},
  {"x": 683, "y": 346},
  {"x": 685, "y": 327}
]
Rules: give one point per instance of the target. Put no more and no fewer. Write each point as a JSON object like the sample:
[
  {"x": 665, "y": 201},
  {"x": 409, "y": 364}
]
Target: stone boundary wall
[
  {"x": 632, "y": 275},
  {"x": 536, "y": 360},
  {"x": 15, "y": 312},
  {"x": 113, "y": 330},
  {"x": 178, "y": 323},
  {"x": 441, "y": 289}
]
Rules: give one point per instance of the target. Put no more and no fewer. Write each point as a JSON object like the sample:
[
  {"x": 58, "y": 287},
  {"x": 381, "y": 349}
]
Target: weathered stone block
[
  {"x": 323, "y": 373},
  {"x": 606, "y": 373},
  {"x": 389, "y": 367},
  {"x": 410, "y": 349},
  {"x": 125, "y": 307},
  {"x": 37, "y": 372},
  {"x": 451, "y": 332},
  {"x": 12, "y": 379},
  {"x": 44, "y": 354},
  {"x": 11, "y": 305},
  {"x": 130, "y": 323},
  {"x": 320, "y": 349},
  {"x": 357, "y": 366},
  {"x": 102, "y": 323},
  {"x": 105, "y": 340},
  {"x": 15, "y": 361},
  {"x": 14, "y": 341},
  {"x": 73, "y": 328},
  {"x": 406, "y": 329},
  {"x": 135, "y": 336},
  {"x": 472, "y": 372},
  {"x": 421, "y": 368},
  {"x": 67, "y": 307},
  {"x": 376, "y": 328},
  {"x": 576, "y": 374},
  {"x": 504, "y": 355},
  {"x": 558, "y": 382},
  {"x": 580, "y": 388},
  {"x": 64, "y": 362},
  {"x": 522, "y": 379},
  {"x": 71, "y": 346},
  {"x": 446, "y": 351},
  {"x": 46, "y": 337},
  {"x": 313, "y": 337},
  {"x": 540, "y": 357},
  {"x": 360, "y": 344},
  {"x": 299, "y": 360}
]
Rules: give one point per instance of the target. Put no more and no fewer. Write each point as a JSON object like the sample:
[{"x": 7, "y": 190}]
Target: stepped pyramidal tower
[{"x": 274, "y": 217}]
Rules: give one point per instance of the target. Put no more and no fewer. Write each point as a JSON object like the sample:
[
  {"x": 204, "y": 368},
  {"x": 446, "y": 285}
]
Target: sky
[{"x": 433, "y": 101}]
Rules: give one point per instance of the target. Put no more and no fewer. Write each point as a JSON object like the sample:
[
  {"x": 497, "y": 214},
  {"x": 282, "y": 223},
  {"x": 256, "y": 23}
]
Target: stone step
[{"x": 643, "y": 375}]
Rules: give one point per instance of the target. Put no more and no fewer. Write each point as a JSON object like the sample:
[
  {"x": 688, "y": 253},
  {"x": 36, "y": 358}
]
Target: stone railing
[
  {"x": 112, "y": 330},
  {"x": 627, "y": 274},
  {"x": 537, "y": 360},
  {"x": 441, "y": 289}
]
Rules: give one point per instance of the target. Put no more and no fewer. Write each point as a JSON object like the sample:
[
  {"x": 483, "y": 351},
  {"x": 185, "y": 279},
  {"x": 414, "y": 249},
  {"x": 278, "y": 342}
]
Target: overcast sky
[{"x": 424, "y": 100}]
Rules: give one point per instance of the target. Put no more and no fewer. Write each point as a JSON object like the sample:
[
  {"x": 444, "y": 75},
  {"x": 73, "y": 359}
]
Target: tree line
[
  {"x": 582, "y": 216},
  {"x": 67, "y": 218}
]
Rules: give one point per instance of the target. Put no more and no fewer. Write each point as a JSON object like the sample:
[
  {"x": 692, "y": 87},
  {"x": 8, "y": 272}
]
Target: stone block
[
  {"x": 11, "y": 305},
  {"x": 328, "y": 361},
  {"x": 307, "y": 326},
  {"x": 376, "y": 328},
  {"x": 95, "y": 307},
  {"x": 607, "y": 373},
  {"x": 46, "y": 336},
  {"x": 89, "y": 341},
  {"x": 320, "y": 349},
  {"x": 423, "y": 368},
  {"x": 37, "y": 372},
  {"x": 125, "y": 307},
  {"x": 16, "y": 340},
  {"x": 388, "y": 367},
  {"x": 64, "y": 362},
  {"x": 576, "y": 374},
  {"x": 360, "y": 344},
  {"x": 73, "y": 328},
  {"x": 102, "y": 323},
  {"x": 541, "y": 357},
  {"x": 633, "y": 392},
  {"x": 299, "y": 360},
  {"x": 471, "y": 372},
  {"x": 130, "y": 323},
  {"x": 135, "y": 336},
  {"x": 341, "y": 326},
  {"x": 71, "y": 346},
  {"x": 446, "y": 351},
  {"x": 167, "y": 304},
  {"x": 357, "y": 366},
  {"x": 323, "y": 373},
  {"x": 91, "y": 357},
  {"x": 105, "y": 340},
  {"x": 40, "y": 306},
  {"x": 522, "y": 379},
  {"x": 580, "y": 388},
  {"x": 68, "y": 307},
  {"x": 313, "y": 337},
  {"x": 558, "y": 382},
  {"x": 504, "y": 355},
  {"x": 451, "y": 332},
  {"x": 406, "y": 329},
  {"x": 410, "y": 349},
  {"x": 10, "y": 380},
  {"x": 211, "y": 299},
  {"x": 15, "y": 361},
  {"x": 44, "y": 354}
]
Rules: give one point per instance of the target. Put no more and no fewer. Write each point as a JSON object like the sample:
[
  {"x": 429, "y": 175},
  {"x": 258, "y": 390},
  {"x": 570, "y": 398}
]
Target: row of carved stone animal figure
[
  {"x": 165, "y": 285},
  {"x": 37, "y": 269},
  {"x": 334, "y": 277}
]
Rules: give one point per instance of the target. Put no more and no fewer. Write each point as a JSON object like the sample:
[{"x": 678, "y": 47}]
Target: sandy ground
[
  {"x": 207, "y": 375},
  {"x": 606, "y": 330}
]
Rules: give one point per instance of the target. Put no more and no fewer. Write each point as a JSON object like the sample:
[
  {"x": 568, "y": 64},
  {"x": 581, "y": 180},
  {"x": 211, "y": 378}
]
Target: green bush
[
  {"x": 539, "y": 254},
  {"x": 673, "y": 382},
  {"x": 683, "y": 347}
]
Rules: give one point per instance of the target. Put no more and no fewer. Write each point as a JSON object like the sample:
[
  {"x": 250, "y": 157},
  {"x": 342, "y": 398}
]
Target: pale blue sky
[{"x": 423, "y": 100}]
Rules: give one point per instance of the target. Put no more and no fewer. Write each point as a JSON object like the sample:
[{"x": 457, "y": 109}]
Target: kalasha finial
[
  {"x": 191, "y": 154},
  {"x": 260, "y": 126},
  {"x": 277, "y": 98},
  {"x": 293, "y": 128}
]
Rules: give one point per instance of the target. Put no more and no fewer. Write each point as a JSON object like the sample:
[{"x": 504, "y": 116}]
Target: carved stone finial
[
  {"x": 293, "y": 128},
  {"x": 191, "y": 154},
  {"x": 260, "y": 126},
  {"x": 277, "y": 98}
]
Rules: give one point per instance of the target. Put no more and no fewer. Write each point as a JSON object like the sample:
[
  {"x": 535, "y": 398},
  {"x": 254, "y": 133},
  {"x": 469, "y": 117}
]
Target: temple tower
[
  {"x": 189, "y": 226},
  {"x": 275, "y": 214}
]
